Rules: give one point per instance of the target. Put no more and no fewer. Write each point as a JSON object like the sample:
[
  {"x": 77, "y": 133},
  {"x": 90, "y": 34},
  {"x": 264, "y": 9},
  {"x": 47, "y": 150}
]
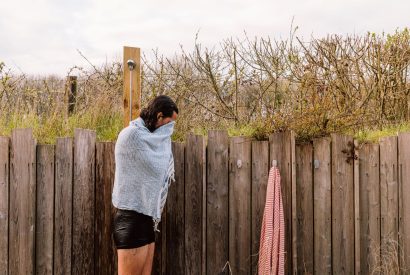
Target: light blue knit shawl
[{"x": 144, "y": 168}]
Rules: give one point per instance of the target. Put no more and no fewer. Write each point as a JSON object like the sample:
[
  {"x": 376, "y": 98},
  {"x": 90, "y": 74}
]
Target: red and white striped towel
[{"x": 272, "y": 239}]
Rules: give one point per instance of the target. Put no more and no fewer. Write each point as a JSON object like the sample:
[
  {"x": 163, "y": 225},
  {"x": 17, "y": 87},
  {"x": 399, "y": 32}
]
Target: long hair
[{"x": 162, "y": 104}]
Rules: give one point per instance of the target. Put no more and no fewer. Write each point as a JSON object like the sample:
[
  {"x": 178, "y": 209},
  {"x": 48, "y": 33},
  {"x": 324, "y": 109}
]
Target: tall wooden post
[
  {"x": 132, "y": 84},
  {"x": 70, "y": 94}
]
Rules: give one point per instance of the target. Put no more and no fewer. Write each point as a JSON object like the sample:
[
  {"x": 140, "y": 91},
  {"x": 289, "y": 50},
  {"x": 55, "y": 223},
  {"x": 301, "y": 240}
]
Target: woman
[{"x": 144, "y": 168}]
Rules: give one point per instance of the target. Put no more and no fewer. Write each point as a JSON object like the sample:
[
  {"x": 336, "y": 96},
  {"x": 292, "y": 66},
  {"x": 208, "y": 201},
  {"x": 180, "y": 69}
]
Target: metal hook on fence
[{"x": 274, "y": 163}]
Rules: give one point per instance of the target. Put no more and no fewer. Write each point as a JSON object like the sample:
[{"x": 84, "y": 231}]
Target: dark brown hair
[{"x": 159, "y": 104}]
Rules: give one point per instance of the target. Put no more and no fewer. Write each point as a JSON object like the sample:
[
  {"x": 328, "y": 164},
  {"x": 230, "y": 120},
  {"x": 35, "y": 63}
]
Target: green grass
[
  {"x": 375, "y": 135},
  {"x": 107, "y": 126},
  {"x": 46, "y": 130}
]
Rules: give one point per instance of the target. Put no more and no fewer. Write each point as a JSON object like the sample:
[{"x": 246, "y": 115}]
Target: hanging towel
[{"x": 272, "y": 241}]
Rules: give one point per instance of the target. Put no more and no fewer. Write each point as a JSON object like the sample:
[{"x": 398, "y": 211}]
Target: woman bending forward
[{"x": 144, "y": 168}]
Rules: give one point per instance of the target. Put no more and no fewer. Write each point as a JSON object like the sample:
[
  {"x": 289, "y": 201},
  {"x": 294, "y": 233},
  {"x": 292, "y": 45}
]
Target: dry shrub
[{"x": 251, "y": 86}]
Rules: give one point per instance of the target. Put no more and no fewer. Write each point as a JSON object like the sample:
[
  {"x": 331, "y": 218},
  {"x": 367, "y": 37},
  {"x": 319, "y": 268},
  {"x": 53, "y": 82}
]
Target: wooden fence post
[
  {"x": 83, "y": 202},
  {"x": 404, "y": 201},
  {"x": 4, "y": 203},
  {"x": 70, "y": 94},
  {"x": 132, "y": 84},
  {"x": 343, "y": 230},
  {"x": 22, "y": 202}
]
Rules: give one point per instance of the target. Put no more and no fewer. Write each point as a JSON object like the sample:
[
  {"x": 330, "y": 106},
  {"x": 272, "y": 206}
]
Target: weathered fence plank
[
  {"x": 45, "y": 209},
  {"x": 105, "y": 250},
  {"x": 164, "y": 242},
  {"x": 83, "y": 201},
  {"x": 175, "y": 261},
  {"x": 304, "y": 199},
  {"x": 369, "y": 208},
  {"x": 22, "y": 202},
  {"x": 322, "y": 205},
  {"x": 240, "y": 205},
  {"x": 164, "y": 247},
  {"x": 195, "y": 173},
  {"x": 389, "y": 205},
  {"x": 342, "y": 205},
  {"x": 4, "y": 203},
  {"x": 356, "y": 195},
  {"x": 260, "y": 175},
  {"x": 217, "y": 227},
  {"x": 158, "y": 266},
  {"x": 63, "y": 205},
  {"x": 282, "y": 154},
  {"x": 404, "y": 199}
]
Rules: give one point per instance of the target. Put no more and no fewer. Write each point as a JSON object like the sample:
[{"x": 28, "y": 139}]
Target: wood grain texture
[
  {"x": 342, "y": 205},
  {"x": 83, "y": 201},
  {"x": 357, "y": 218},
  {"x": 175, "y": 230},
  {"x": 389, "y": 204},
  {"x": 195, "y": 184},
  {"x": 157, "y": 265},
  {"x": 105, "y": 252},
  {"x": 134, "y": 54},
  {"x": 304, "y": 199},
  {"x": 4, "y": 203},
  {"x": 22, "y": 209},
  {"x": 322, "y": 206},
  {"x": 404, "y": 200},
  {"x": 45, "y": 209},
  {"x": 217, "y": 218},
  {"x": 369, "y": 208},
  {"x": 240, "y": 205},
  {"x": 63, "y": 204},
  {"x": 260, "y": 175}
]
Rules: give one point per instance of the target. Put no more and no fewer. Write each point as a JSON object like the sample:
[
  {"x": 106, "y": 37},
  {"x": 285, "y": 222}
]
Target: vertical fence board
[
  {"x": 369, "y": 207},
  {"x": 175, "y": 214},
  {"x": 260, "y": 175},
  {"x": 389, "y": 205},
  {"x": 357, "y": 218},
  {"x": 304, "y": 199},
  {"x": 159, "y": 246},
  {"x": 217, "y": 240},
  {"x": 240, "y": 205},
  {"x": 322, "y": 205},
  {"x": 282, "y": 153},
  {"x": 195, "y": 169},
  {"x": 22, "y": 202},
  {"x": 404, "y": 198},
  {"x": 105, "y": 252},
  {"x": 342, "y": 204},
  {"x": 4, "y": 203},
  {"x": 83, "y": 201},
  {"x": 63, "y": 205},
  {"x": 45, "y": 209},
  {"x": 164, "y": 247}
]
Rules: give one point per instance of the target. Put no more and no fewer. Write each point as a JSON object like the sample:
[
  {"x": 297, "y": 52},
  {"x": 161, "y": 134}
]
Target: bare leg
[
  {"x": 132, "y": 261},
  {"x": 148, "y": 263}
]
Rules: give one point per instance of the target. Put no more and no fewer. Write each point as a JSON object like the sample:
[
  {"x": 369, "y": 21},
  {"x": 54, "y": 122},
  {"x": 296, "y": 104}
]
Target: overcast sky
[{"x": 42, "y": 37}]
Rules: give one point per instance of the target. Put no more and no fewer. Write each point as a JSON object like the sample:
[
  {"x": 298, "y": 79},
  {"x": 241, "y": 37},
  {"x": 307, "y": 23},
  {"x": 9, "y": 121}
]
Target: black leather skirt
[{"x": 132, "y": 229}]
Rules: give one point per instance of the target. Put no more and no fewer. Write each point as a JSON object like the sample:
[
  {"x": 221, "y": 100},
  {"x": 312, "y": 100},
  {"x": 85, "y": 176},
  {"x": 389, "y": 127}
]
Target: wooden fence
[{"x": 344, "y": 204}]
